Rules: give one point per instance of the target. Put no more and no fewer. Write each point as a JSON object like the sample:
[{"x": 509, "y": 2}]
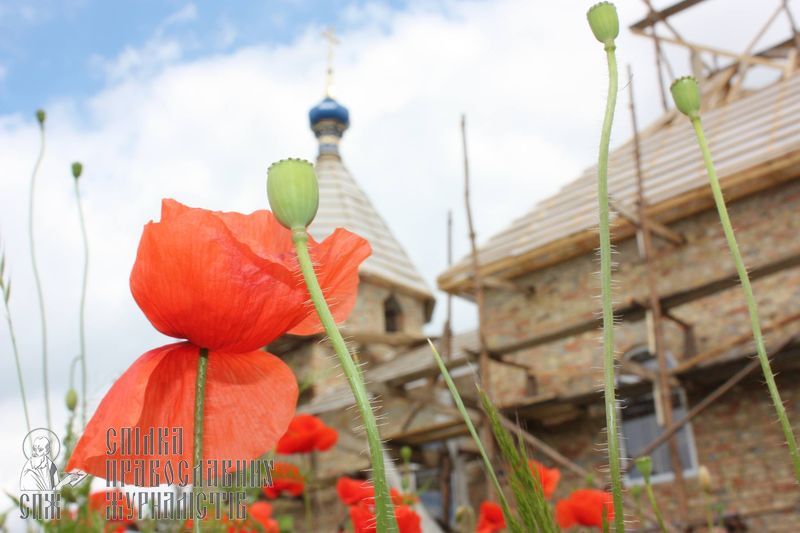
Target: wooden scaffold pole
[{"x": 653, "y": 316}]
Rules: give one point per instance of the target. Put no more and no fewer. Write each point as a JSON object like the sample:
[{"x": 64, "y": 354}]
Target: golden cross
[{"x": 330, "y": 36}]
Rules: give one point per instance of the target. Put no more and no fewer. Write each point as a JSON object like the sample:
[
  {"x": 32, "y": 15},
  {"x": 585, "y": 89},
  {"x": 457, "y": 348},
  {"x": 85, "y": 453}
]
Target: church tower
[{"x": 394, "y": 302}]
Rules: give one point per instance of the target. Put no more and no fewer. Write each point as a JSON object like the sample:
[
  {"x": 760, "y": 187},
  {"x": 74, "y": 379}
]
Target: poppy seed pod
[
  {"x": 686, "y": 95},
  {"x": 604, "y": 22},
  {"x": 77, "y": 170},
  {"x": 71, "y": 400},
  {"x": 645, "y": 465},
  {"x": 41, "y": 116},
  {"x": 405, "y": 454},
  {"x": 293, "y": 192}
]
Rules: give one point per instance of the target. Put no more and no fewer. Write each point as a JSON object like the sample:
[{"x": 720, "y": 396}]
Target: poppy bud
[
  {"x": 71, "y": 400},
  {"x": 293, "y": 192},
  {"x": 645, "y": 466},
  {"x": 77, "y": 169},
  {"x": 604, "y": 22},
  {"x": 686, "y": 95},
  {"x": 405, "y": 454},
  {"x": 41, "y": 116},
  {"x": 704, "y": 478}
]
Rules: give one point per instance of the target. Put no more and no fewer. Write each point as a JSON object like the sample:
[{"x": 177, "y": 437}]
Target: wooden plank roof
[
  {"x": 343, "y": 203},
  {"x": 757, "y": 131}
]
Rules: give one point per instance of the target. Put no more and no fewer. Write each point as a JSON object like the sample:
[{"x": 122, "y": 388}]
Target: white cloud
[{"x": 529, "y": 75}]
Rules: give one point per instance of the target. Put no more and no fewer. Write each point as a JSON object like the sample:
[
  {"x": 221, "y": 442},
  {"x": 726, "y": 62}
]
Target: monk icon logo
[{"x": 40, "y": 473}]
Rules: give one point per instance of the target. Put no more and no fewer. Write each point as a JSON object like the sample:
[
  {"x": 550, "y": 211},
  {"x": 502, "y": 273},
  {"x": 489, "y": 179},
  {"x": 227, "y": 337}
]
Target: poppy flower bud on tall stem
[
  {"x": 604, "y": 22},
  {"x": 77, "y": 170},
  {"x": 293, "y": 192},
  {"x": 686, "y": 95},
  {"x": 71, "y": 400},
  {"x": 41, "y": 116}
]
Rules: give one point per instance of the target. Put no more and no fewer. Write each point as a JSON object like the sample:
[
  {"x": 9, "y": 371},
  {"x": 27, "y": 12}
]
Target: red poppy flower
[
  {"x": 548, "y": 477},
  {"x": 228, "y": 283},
  {"x": 113, "y": 508},
  {"x": 585, "y": 508},
  {"x": 353, "y": 491},
  {"x": 287, "y": 478},
  {"x": 490, "y": 518},
  {"x": 306, "y": 434},
  {"x": 362, "y": 516},
  {"x": 259, "y": 520}
]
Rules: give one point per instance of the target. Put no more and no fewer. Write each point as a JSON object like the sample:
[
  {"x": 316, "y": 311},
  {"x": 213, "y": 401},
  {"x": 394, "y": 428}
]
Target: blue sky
[{"x": 54, "y": 47}]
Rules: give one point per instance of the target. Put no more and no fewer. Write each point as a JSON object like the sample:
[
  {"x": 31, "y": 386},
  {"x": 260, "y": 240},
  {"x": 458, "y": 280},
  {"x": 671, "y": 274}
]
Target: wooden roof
[
  {"x": 343, "y": 203},
  {"x": 752, "y": 139}
]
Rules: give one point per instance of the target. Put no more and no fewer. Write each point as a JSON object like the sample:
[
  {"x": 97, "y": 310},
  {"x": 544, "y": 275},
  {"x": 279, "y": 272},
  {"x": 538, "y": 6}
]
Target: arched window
[
  {"x": 392, "y": 315},
  {"x": 640, "y": 414}
]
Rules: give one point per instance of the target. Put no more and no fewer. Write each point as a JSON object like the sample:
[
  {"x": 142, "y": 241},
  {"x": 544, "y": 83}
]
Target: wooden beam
[
  {"x": 703, "y": 356},
  {"x": 653, "y": 17},
  {"x": 653, "y": 225},
  {"x": 633, "y": 310}
]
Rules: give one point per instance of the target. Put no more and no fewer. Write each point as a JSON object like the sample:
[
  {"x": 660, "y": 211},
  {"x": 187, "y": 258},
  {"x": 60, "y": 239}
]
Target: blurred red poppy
[
  {"x": 362, "y": 516},
  {"x": 228, "y": 283},
  {"x": 306, "y": 434},
  {"x": 490, "y": 518},
  {"x": 259, "y": 520},
  {"x": 287, "y": 478},
  {"x": 352, "y": 491},
  {"x": 548, "y": 477},
  {"x": 585, "y": 507}
]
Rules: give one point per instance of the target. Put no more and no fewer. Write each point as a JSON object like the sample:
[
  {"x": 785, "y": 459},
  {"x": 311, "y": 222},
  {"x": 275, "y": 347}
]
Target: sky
[{"x": 194, "y": 100}]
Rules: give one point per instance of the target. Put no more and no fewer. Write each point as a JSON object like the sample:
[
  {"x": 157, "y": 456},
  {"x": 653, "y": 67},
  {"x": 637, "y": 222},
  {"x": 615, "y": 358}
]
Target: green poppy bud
[
  {"x": 77, "y": 169},
  {"x": 645, "y": 466},
  {"x": 604, "y": 22},
  {"x": 686, "y": 95},
  {"x": 41, "y": 116},
  {"x": 405, "y": 454},
  {"x": 71, "y": 400},
  {"x": 293, "y": 192}
]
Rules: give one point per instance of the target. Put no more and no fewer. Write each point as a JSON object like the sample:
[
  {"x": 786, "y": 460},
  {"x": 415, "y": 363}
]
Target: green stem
[
  {"x": 83, "y": 303},
  {"x": 16, "y": 360},
  {"x": 709, "y": 511},
  {"x": 307, "y": 495},
  {"x": 605, "y": 280},
  {"x": 36, "y": 278},
  {"x": 654, "y": 504},
  {"x": 752, "y": 306},
  {"x": 199, "y": 403},
  {"x": 474, "y": 432},
  {"x": 384, "y": 511}
]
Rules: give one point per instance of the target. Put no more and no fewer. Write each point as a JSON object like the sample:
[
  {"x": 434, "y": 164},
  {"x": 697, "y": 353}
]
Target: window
[
  {"x": 392, "y": 315},
  {"x": 640, "y": 423}
]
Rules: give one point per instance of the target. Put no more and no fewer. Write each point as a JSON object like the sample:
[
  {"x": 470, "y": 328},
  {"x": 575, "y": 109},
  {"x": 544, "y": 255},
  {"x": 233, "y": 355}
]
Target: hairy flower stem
[
  {"x": 81, "y": 316},
  {"x": 648, "y": 487},
  {"x": 16, "y": 359},
  {"x": 709, "y": 510},
  {"x": 605, "y": 283},
  {"x": 199, "y": 403},
  {"x": 36, "y": 278},
  {"x": 384, "y": 511},
  {"x": 752, "y": 306}
]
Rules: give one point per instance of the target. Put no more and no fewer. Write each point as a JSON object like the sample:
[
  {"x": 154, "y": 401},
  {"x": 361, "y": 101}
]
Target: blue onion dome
[{"x": 329, "y": 109}]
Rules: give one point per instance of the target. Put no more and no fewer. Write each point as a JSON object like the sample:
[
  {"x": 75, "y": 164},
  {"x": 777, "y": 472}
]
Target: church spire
[{"x": 329, "y": 119}]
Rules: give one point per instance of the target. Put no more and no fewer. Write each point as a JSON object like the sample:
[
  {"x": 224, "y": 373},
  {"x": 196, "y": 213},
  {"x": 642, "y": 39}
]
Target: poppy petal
[
  {"x": 249, "y": 400},
  {"x": 336, "y": 262},
  {"x": 195, "y": 280}
]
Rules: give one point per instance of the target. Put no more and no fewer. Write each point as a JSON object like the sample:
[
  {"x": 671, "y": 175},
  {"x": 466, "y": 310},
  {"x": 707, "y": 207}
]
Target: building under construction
[{"x": 690, "y": 391}]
